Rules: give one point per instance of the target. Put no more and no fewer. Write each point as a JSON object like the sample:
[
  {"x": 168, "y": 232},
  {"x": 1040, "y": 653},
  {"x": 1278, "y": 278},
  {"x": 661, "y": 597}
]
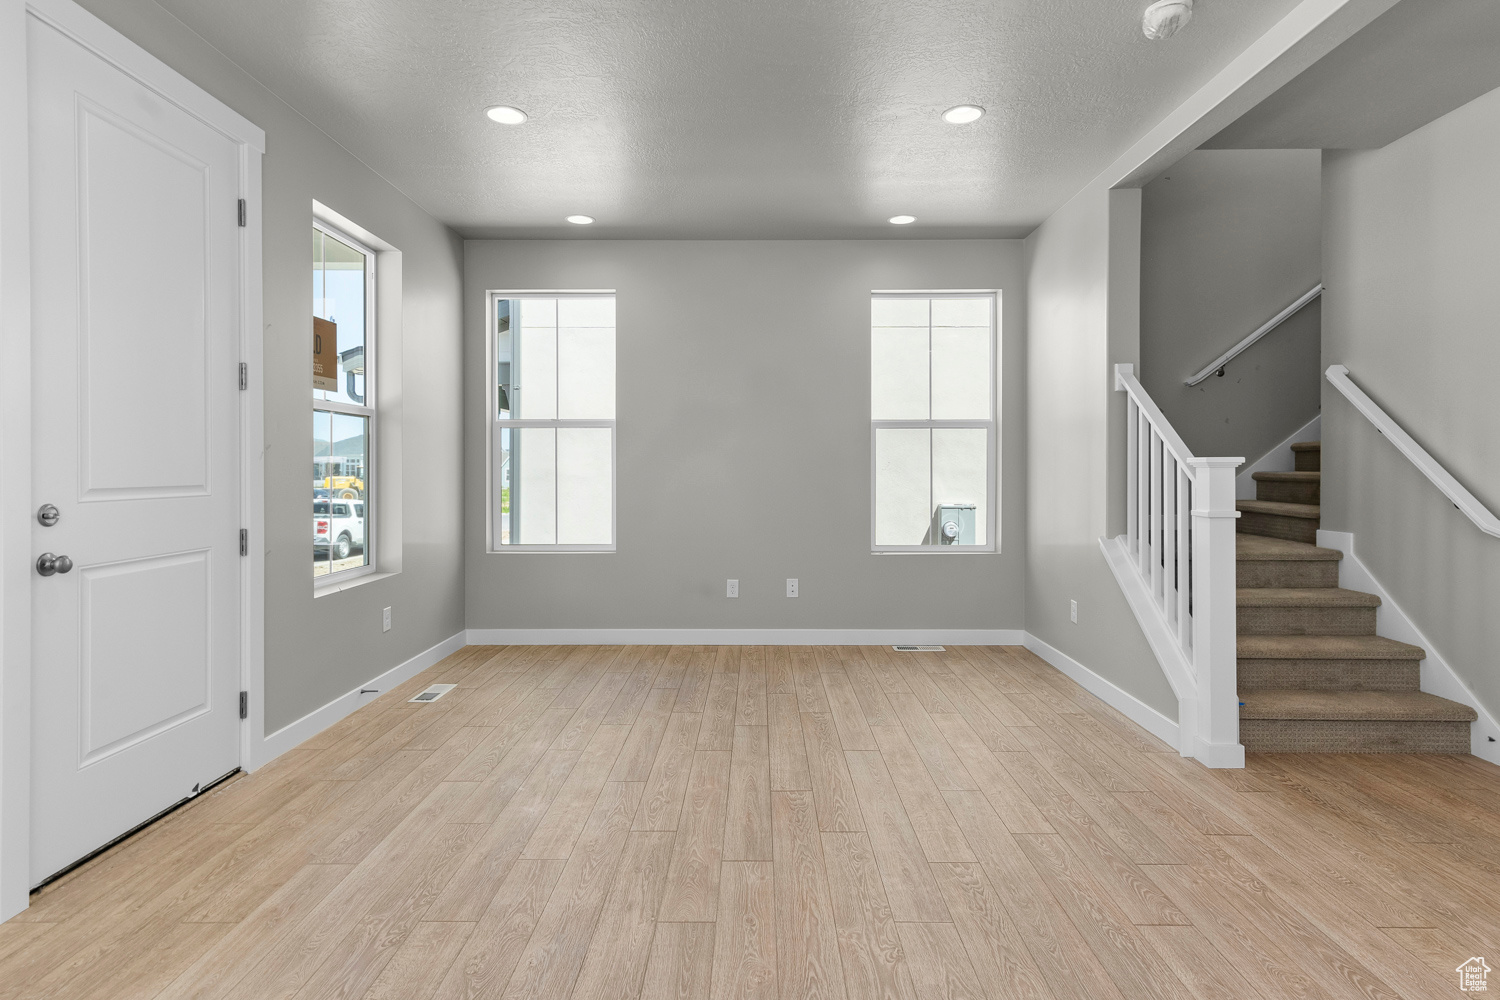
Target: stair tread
[
  {"x": 1286, "y": 477},
  {"x": 1325, "y": 647},
  {"x": 1264, "y": 547},
  {"x": 1304, "y": 597},
  {"x": 1398, "y": 706},
  {"x": 1308, "y": 446},
  {"x": 1310, "y": 511}
]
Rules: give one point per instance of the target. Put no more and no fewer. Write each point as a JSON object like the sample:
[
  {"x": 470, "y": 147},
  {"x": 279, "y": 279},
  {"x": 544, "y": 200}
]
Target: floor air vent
[
  {"x": 919, "y": 649},
  {"x": 435, "y": 692}
]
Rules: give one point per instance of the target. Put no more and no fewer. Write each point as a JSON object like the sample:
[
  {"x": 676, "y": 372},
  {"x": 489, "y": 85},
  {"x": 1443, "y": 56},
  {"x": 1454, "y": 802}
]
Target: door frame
[{"x": 16, "y": 498}]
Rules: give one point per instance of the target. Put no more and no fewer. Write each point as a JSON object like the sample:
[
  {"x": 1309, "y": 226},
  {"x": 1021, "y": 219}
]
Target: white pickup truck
[{"x": 338, "y": 526}]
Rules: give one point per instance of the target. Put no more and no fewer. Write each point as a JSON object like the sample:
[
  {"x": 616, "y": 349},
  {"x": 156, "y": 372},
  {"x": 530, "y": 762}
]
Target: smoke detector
[{"x": 1165, "y": 18}]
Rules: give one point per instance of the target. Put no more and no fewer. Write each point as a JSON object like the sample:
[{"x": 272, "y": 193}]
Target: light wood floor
[{"x": 675, "y": 822}]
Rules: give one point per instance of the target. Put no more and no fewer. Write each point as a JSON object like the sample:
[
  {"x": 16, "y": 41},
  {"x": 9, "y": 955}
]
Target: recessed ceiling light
[
  {"x": 581, "y": 220},
  {"x": 903, "y": 220},
  {"x": 506, "y": 115},
  {"x": 963, "y": 114}
]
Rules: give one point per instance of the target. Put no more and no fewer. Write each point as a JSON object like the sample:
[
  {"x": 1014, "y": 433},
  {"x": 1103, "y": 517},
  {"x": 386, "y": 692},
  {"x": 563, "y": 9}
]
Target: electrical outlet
[
  {"x": 791, "y": 586},
  {"x": 385, "y": 620},
  {"x": 732, "y": 588},
  {"x": 1073, "y": 611}
]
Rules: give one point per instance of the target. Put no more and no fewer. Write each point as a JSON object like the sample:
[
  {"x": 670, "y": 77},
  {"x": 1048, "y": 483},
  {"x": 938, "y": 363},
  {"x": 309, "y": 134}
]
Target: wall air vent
[
  {"x": 919, "y": 649},
  {"x": 435, "y": 692}
]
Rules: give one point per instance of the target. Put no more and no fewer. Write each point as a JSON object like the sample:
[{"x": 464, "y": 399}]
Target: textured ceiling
[
  {"x": 1413, "y": 64},
  {"x": 730, "y": 118}
]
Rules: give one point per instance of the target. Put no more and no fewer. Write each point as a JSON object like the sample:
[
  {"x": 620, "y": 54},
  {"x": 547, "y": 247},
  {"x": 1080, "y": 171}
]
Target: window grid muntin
[
  {"x": 991, "y": 425},
  {"x": 367, "y": 410},
  {"x": 498, "y": 423}
]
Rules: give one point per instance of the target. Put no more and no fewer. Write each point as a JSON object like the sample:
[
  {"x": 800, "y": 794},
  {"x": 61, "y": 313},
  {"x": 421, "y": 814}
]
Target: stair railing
[
  {"x": 1176, "y": 564},
  {"x": 1217, "y": 364},
  {"x": 1461, "y": 498}
]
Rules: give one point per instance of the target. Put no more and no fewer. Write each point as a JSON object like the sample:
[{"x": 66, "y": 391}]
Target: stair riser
[
  {"x": 1295, "y": 529},
  {"x": 1286, "y": 573},
  {"x": 1352, "y": 736},
  {"x": 1329, "y": 675},
  {"x": 1307, "y": 461},
  {"x": 1306, "y": 621},
  {"x": 1285, "y": 492}
]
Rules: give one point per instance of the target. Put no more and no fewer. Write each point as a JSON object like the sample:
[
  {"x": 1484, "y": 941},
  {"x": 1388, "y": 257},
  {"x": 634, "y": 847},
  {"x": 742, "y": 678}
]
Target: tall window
[
  {"x": 553, "y": 438},
  {"x": 932, "y": 421},
  {"x": 343, "y": 404}
]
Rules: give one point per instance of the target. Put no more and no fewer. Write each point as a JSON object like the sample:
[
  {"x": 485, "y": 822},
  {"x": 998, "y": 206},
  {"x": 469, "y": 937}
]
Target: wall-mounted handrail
[
  {"x": 1465, "y": 501},
  {"x": 1260, "y": 332},
  {"x": 1175, "y": 563}
]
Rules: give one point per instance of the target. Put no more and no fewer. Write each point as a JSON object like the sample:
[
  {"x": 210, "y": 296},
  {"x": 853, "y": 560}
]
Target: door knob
[{"x": 47, "y": 564}]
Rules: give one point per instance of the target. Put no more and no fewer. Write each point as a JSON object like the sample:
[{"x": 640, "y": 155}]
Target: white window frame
[
  {"x": 494, "y": 425},
  {"x": 369, "y": 410},
  {"x": 992, "y": 426}
]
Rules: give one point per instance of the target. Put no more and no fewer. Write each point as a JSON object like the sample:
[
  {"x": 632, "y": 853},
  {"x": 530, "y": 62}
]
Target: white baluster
[
  {"x": 1132, "y": 449},
  {"x": 1184, "y": 561},
  {"x": 1169, "y": 475},
  {"x": 1142, "y": 504},
  {"x": 1157, "y": 521}
]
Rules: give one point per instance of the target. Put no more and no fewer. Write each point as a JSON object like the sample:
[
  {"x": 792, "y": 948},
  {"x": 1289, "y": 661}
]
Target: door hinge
[
  {"x": 243, "y": 211},
  {"x": 244, "y": 704},
  {"x": 244, "y": 541},
  {"x": 244, "y": 376}
]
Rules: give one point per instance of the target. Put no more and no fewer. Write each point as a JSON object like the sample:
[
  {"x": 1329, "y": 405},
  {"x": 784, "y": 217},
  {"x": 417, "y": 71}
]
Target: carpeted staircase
[{"x": 1313, "y": 675}]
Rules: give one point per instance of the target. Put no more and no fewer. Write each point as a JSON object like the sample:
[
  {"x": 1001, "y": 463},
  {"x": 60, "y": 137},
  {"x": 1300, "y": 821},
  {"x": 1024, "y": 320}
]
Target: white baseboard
[
  {"x": 1118, "y": 698},
  {"x": 1438, "y": 677},
  {"x": 1278, "y": 459},
  {"x": 745, "y": 636},
  {"x": 314, "y": 722},
  {"x": 1148, "y": 718}
]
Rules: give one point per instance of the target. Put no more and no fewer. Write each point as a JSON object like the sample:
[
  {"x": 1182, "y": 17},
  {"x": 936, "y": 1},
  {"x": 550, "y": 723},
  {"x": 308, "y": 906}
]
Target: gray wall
[
  {"x": 317, "y": 650},
  {"x": 1412, "y": 261},
  {"x": 1228, "y": 238},
  {"x": 744, "y": 440},
  {"x": 1083, "y": 281}
]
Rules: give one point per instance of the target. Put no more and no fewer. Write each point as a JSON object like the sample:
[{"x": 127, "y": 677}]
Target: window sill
[
  {"x": 934, "y": 550},
  {"x": 563, "y": 549},
  {"x": 325, "y": 589}
]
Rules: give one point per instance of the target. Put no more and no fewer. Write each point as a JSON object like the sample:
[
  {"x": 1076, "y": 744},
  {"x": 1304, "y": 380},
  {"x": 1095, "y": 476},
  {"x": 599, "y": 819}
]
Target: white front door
[{"x": 135, "y": 278}]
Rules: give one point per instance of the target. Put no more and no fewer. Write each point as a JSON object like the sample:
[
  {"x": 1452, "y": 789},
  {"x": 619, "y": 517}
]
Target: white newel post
[{"x": 1214, "y": 650}]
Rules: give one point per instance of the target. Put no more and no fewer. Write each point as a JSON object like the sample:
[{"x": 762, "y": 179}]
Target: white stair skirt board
[
  {"x": 745, "y": 637},
  {"x": 1176, "y": 668},
  {"x": 1278, "y": 459},
  {"x": 1178, "y": 671},
  {"x": 287, "y": 737},
  {"x": 1118, "y": 698},
  {"x": 1173, "y": 664},
  {"x": 1391, "y": 622}
]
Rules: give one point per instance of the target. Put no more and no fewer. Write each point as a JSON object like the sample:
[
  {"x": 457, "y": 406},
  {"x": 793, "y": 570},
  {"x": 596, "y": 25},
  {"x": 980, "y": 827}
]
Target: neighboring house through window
[
  {"x": 344, "y": 418},
  {"x": 933, "y": 368}
]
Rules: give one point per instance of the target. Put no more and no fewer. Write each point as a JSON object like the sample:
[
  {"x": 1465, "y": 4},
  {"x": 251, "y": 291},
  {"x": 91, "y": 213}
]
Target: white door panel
[
  {"x": 143, "y": 309},
  {"x": 159, "y": 603},
  {"x": 135, "y": 264}
]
